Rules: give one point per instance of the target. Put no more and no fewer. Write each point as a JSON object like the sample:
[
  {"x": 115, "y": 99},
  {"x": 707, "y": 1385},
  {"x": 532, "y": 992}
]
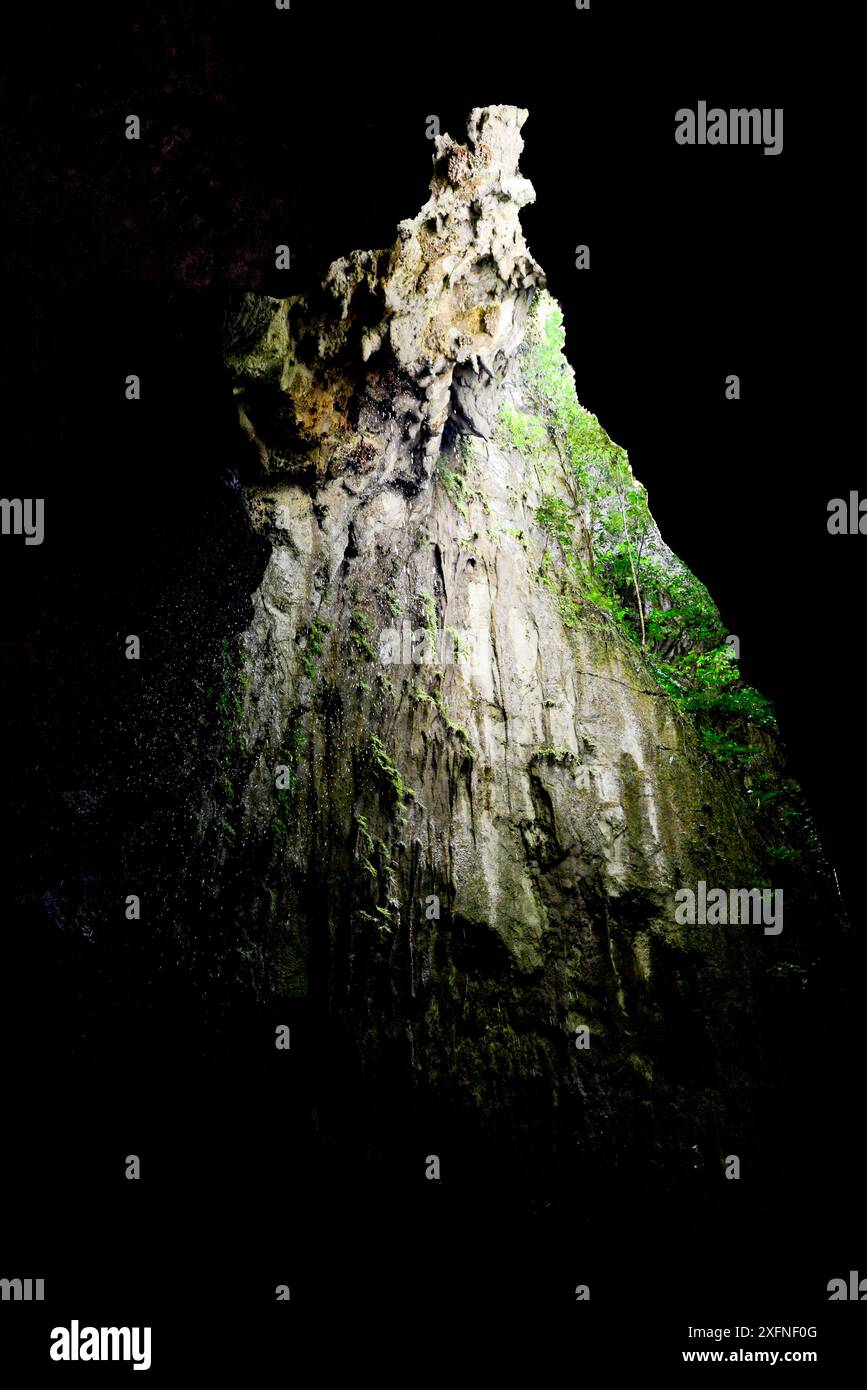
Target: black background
[{"x": 308, "y": 127}]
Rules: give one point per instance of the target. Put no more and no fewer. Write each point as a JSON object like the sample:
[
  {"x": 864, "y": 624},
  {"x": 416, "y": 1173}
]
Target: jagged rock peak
[
  {"x": 448, "y": 279},
  {"x": 420, "y": 330}
]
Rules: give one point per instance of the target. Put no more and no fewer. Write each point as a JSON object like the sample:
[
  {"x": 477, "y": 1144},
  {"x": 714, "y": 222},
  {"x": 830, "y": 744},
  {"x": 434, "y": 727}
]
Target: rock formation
[{"x": 455, "y": 801}]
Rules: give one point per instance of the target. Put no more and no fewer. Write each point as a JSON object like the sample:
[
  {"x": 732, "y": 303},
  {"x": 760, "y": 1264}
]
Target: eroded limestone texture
[{"x": 467, "y": 860}]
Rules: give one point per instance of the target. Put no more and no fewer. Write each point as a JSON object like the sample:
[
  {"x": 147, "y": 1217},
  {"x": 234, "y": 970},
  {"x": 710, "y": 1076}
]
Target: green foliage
[
  {"x": 294, "y": 744},
  {"x": 454, "y": 485},
  {"x": 392, "y": 601},
  {"x": 560, "y": 757},
  {"x": 367, "y": 849},
  {"x": 428, "y": 606},
  {"x": 313, "y": 647},
  {"x": 383, "y": 875},
  {"x": 603, "y": 562},
  {"x": 390, "y": 778},
  {"x": 436, "y": 699},
  {"x": 359, "y": 629},
  {"x": 524, "y": 433},
  {"x": 364, "y": 834},
  {"x": 232, "y": 682},
  {"x": 680, "y": 607},
  {"x": 457, "y": 729},
  {"x": 385, "y": 685},
  {"x": 787, "y": 825},
  {"x": 721, "y": 747},
  {"x": 290, "y": 754},
  {"x": 516, "y": 532},
  {"x": 557, "y": 520},
  {"x": 563, "y": 585},
  {"x": 785, "y": 854}
]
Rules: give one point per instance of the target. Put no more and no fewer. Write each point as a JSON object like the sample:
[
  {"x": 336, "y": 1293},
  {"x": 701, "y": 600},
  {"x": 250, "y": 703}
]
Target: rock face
[
  {"x": 399, "y": 339},
  {"x": 453, "y": 810}
]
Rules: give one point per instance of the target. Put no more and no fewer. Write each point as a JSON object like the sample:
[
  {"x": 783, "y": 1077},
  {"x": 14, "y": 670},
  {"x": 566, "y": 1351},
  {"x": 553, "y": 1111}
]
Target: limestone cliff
[{"x": 456, "y": 793}]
